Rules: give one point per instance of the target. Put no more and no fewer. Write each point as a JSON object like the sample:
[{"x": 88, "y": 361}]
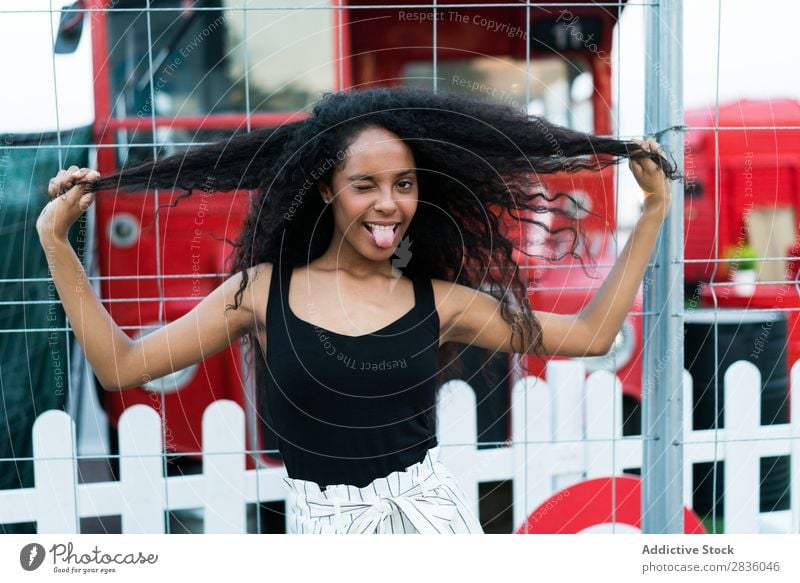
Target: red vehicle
[
  {"x": 752, "y": 205},
  {"x": 175, "y": 76},
  {"x": 758, "y": 189}
]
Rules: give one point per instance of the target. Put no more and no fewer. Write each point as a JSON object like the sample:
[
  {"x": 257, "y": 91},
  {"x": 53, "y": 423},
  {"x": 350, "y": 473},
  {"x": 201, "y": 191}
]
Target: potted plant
[{"x": 742, "y": 271}]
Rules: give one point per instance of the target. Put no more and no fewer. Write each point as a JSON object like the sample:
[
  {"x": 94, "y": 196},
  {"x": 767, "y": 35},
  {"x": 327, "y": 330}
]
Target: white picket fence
[{"x": 565, "y": 430}]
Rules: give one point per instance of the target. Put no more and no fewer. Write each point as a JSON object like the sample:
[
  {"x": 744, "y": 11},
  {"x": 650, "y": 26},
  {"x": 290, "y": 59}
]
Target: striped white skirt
[{"x": 424, "y": 498}]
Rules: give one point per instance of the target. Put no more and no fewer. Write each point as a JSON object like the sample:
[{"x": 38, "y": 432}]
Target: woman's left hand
[{"x": 651, "y": 178}]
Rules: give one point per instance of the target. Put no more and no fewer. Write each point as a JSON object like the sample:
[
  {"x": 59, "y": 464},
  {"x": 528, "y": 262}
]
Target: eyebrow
[{"x": 367, "y": 176}]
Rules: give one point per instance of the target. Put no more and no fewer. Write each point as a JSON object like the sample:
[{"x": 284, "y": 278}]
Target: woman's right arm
[{"x": 118, "y": 361}]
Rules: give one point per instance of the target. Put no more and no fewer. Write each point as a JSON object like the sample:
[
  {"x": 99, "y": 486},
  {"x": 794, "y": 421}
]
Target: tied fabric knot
[
  {"x": 429, "y": 515},
  {"x": 375, "y": 518},
  {"x": 428, "y": 512}
]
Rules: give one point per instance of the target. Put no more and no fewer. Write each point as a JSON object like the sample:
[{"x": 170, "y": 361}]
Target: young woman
[{"x": 352, "y": 337}]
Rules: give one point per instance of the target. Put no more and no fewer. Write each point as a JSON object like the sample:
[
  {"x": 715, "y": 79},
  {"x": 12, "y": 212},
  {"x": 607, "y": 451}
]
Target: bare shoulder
[
  {"x": 260, "y": 276},
  {"x": 451, "y": 299},
  {"x": 450, "y": 293},
  {"x": 262, "y": 271},
  {"x": 253, "y": 300}
]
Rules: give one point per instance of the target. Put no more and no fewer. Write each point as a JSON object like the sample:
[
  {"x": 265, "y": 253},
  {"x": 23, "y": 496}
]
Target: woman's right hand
[{"x": 68, "y": 201}]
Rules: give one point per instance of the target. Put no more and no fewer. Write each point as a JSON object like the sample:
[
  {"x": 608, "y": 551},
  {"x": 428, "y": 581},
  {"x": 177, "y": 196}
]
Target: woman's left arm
[{"x": 474, "y": 317}]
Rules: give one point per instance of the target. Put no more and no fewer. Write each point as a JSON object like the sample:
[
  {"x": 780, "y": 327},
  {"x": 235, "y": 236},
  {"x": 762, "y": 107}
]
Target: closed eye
[{"x": 364, "y": 187}]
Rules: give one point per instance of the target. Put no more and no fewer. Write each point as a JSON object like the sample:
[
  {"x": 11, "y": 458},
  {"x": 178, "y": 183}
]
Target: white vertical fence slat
[
  {"x": 742, "y": 415},
  {"x": 142, "y": 493},
  {"x": 55, "y": 472},
  {"x": 531, "y": 434},
  {"x": 456, "y": 423},
  {"x": 568, "y": 422},
  {"x": 564, "y": 429},
  {"x": 688, "y": 459},
  {"x": 607, "y": 452},
  {"x": 224, "y": 467}
]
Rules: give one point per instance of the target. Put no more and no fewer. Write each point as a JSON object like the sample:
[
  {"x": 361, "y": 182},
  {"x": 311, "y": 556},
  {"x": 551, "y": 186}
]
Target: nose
[{"x": 386, "y": 202}]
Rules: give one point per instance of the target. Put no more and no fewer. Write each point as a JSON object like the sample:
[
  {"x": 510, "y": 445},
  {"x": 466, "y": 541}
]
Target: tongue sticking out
[{"x": 383, "y": 237}]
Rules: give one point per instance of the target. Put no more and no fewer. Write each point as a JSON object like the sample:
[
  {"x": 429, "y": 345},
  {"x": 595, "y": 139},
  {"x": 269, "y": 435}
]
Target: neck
[{"x": 340, "y": 255}]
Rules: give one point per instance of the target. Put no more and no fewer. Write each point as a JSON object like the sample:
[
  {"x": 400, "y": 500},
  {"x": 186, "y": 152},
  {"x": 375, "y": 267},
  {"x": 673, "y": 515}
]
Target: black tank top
[{"x": 349, "y": 409}]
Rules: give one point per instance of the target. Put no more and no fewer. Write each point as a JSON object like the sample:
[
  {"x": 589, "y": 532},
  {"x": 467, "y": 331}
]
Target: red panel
[
  {"x": 699, "y": 218},
  {"x": 597, "y": 502},
  {"x": 102, "y": 100},
  {"x": 757, "y": 169},
  {"x": 127, "y": 248}
]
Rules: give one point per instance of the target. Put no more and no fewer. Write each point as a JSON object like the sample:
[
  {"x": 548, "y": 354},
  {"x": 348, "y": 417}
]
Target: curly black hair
[{"x": 478, "y": 165}]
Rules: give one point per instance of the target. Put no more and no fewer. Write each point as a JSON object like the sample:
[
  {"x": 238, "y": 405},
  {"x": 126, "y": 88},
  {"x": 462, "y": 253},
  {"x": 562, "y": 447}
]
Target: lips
[
  {"x": 370, "y": 224},
  {"x": 382, "y": 235}
]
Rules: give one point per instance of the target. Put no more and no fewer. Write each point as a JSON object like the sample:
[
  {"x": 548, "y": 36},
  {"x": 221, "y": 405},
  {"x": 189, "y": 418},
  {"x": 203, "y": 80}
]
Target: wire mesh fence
[{"x": 166, "y": 76}]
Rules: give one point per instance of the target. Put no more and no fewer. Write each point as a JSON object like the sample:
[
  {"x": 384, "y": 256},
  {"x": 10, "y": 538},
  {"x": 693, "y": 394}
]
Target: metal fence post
[{"x": 662, "y": 382}]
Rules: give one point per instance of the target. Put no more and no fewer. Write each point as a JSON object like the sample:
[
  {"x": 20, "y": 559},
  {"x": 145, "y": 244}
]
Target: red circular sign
[{"x": 587, "y": 507}]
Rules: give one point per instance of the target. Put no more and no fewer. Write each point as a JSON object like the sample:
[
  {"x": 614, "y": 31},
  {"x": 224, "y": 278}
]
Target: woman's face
[{"x": 374, "y": 195}]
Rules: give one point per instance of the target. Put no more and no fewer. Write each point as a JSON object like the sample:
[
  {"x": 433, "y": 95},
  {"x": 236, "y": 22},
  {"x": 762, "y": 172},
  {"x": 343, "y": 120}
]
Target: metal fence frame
[{"x": 662, "y": 463}]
